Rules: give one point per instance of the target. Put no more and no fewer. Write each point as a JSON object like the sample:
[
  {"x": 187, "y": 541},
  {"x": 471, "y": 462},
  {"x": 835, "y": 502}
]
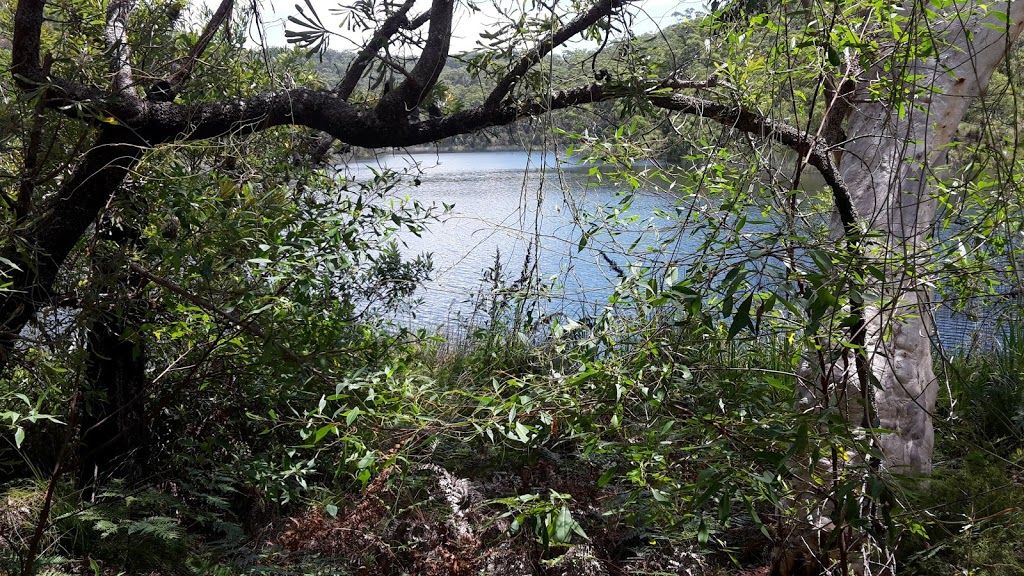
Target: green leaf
[
  {"x": 352, "y": 415},
  {"x": 833, "y": 56},
  {"x": 522, "y": 432},
  {"x": 19, "y": 436},
  {"x": 702, "y": 532},
  {"x": 323, "y": 431},
  {"x": 564, "y": 526},
  {"x": 606, "y": 477},
  {"x": 724, "y": 508},
  {"x": 741, "y": 318}
]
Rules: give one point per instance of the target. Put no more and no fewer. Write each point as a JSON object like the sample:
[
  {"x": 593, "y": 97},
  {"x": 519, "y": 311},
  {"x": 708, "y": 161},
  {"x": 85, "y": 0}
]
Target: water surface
[
  {"x": 514, "y": 206},
  {"x": 510, "y": 207}
]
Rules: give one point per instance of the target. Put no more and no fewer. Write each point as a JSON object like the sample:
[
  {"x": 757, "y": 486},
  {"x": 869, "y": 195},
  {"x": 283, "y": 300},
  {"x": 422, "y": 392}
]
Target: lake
[{"x": 516, "y": 205}]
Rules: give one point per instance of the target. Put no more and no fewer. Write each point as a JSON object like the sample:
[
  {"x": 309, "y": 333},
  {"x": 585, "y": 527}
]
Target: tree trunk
[
  {"x": 40, "y": 249},
  {"x": 113, "y": 424},
  {"x": 886, "y": 164}
]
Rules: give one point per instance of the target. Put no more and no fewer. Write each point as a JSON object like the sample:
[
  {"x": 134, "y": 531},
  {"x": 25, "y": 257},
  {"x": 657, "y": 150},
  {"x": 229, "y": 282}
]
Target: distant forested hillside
[{"x": 678, "y": 47}]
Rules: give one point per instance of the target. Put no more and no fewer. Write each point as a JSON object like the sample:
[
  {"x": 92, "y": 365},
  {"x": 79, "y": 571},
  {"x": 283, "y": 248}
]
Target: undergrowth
[
  {"x": 580, "y": 452},
  {"x": 972, "y": 505}
]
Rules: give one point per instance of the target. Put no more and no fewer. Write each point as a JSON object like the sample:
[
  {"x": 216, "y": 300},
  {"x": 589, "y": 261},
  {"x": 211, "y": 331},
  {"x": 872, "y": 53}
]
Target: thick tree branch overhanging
[
  {"x": 177, "y": 80},
  {"x": 391, "y": 26},
  {"x": 503, "y": 89},
  {"x": 815, "y": 150},
  {"x": 399, "y": 21},
  {"x": 424, "y": 75}
]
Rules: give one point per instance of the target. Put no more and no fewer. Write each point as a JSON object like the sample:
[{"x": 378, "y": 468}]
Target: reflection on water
[{"x": 520, "y": 205}]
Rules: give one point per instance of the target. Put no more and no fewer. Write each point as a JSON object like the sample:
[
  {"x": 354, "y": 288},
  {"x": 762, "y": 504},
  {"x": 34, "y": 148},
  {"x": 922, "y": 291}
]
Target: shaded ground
[{"x": 428, "y": 521}]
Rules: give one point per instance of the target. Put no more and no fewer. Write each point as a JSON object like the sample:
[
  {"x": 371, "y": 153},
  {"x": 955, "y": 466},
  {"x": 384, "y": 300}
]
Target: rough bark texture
[{"x": 418, "y": 84}]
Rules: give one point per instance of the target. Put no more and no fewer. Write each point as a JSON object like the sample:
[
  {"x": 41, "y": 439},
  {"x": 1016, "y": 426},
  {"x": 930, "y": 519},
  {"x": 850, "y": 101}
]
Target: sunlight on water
[{"x": 512, "y": 204}]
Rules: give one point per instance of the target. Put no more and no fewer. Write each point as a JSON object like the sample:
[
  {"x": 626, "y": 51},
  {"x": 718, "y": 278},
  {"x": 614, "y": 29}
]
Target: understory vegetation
[{"x": 572, "y": 453}]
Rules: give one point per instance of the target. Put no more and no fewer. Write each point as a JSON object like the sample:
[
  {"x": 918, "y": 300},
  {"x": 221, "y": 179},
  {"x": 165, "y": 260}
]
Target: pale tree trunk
[{"x": 886, "y": 164}]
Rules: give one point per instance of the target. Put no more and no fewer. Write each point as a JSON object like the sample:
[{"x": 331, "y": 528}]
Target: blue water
[{"x": 517, "y": 205}]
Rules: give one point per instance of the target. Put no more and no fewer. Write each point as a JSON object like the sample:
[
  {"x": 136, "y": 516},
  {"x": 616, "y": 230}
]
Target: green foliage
[
  {"x": 550, "y": 521},
  {"x": 989, "y": 393},
  {"x": 22, "y": 412},
  {"x": 137, "y": 531},
  {"x": 969, "y": 508},
  {"x": 274, "y": 378},
  {"x": 971, "y": 512}
]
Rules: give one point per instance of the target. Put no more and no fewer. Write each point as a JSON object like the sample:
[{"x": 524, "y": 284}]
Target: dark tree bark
[
  {"x": 40, "y": 247},
  {"x": 113, "y": 429},
  {"x": 113, "y": 426}
]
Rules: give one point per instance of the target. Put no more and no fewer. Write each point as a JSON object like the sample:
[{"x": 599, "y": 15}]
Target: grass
[{"x": 973, "y": 506}]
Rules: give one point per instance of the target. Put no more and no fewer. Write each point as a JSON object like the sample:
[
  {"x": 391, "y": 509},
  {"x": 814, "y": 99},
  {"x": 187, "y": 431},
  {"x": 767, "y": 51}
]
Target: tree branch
[
  {"x": 327, "y": 112},
  {"x": 680, "y": 84},
  {"x": 418, "y": 21},
  {"x": 814, "y": 149},
  {"x": 381, "y": 36},
  {"x": 116, "y": 36},
  {"x": 400, "y": 101},
  {"x": 39, "y": 249},
  {"x": 28, "y": 566},
  {"x": 174, "y": 84},
  {"x": 395, "y": 23},
  {"x": 504, "y": 87},
  {"x": 31, "y": 163},
  {"x": 163, "y": 122},
  {"x": 60, "y": 94},
  {"x": 251, "y": 327},
  {"x": 28, "y": 24}
]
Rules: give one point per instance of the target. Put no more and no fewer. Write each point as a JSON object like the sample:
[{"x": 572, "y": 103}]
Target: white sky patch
[{"x": 647, "y": 16}]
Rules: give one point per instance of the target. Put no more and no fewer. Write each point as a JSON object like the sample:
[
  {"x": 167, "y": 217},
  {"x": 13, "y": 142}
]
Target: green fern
[{"x": 160, "y": 527}]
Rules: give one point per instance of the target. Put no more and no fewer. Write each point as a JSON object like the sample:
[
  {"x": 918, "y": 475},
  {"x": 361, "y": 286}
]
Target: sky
[{"x": 650, "y": 15}]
